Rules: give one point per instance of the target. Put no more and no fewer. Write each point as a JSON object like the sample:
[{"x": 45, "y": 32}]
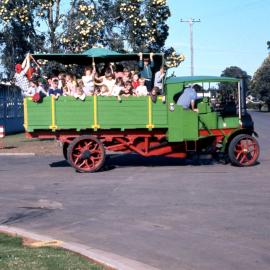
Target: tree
[
  {"x": 143, "y": 23},
  {"x": 228, "y": 91},
  {"x": 15, "y": 44},
  {"x": 17, "y": 33},
  {"x": 44, "y": 25},
  {"x": 59, "y": 26},
  {"x": 234, "y": 72},
  {"x": 84, "y": 26},
  {"x": 260, "y": 84}
]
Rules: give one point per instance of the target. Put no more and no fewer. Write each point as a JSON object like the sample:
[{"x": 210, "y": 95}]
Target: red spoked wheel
[
  {"x": 86, "y": 154},
  {"x": 244, "y": 150}
]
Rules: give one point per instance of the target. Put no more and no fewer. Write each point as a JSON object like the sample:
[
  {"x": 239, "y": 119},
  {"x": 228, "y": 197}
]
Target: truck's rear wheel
[
  {"x": 86, "y": 154},
  {"x": 243, "y": 150}
]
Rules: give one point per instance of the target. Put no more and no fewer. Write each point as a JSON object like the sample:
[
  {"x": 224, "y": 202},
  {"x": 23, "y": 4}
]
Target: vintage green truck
[{"x": 89, "y": 128}]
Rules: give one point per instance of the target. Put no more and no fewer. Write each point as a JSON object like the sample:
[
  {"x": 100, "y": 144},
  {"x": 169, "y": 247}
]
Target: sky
[{"x": 231, "y": 33}]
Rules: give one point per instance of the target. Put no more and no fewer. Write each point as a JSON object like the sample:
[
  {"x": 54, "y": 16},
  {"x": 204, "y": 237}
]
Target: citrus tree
[{"x": 75, "y": 25}]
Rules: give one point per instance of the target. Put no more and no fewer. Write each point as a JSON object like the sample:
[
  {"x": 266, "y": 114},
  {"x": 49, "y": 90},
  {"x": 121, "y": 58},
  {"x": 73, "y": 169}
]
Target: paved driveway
[{"x": 161, "y": 212}]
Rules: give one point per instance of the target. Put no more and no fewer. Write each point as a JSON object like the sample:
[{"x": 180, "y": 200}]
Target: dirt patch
[
  {"x": 27, "y": 241},
  {"x": 18, "y": 143}
]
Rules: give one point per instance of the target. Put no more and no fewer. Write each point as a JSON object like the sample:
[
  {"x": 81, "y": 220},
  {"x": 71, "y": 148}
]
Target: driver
[{"x": 188, "y": 97}]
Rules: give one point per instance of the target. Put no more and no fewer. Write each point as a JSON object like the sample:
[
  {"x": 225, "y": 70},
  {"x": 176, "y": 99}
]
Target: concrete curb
[
  {"x": 17, "y": 154},
  {"x": 105, "y": 258}
]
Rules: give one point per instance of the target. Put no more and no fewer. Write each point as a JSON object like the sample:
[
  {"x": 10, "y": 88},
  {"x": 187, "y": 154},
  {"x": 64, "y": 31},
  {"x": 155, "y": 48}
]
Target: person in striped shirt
[{"x": 20, "y": 76}]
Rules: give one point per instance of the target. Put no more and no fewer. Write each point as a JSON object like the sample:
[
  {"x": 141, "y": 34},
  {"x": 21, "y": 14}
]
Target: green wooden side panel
[
  {"x": 208, "y": 120},
  {"x": 228, "y": 122},
  {"x": 189, "y": 125},
  {"x": 74, "y": 114},
  {"x": 183, "y": 125},
  {"x": 160, "y": 114},
  {"x": 39, "y": 114},
  {"x": 129, "y": 113}
]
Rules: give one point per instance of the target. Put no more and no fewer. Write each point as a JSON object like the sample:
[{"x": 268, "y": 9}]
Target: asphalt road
[{"x": 165, "y": 213}]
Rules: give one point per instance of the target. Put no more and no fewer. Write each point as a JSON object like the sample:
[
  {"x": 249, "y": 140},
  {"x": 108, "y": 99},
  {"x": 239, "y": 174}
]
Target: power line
[{"x": 191, "y": 22}]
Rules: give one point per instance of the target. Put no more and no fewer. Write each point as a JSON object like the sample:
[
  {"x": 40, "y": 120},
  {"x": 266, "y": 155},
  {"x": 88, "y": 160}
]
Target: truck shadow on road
[{"x": 133, "y": 160}]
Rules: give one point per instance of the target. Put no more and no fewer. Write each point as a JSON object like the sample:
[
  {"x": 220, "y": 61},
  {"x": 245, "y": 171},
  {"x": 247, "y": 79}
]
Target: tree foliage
[
  {"x": 75, "y": 25},
  {"x": 83, "y": 27},
  {"x": 17, "y": 33},
  {"x": 260, "y": 84},
  {"x": 143, "y": 23},
  {"x": 234, "y": 72}
]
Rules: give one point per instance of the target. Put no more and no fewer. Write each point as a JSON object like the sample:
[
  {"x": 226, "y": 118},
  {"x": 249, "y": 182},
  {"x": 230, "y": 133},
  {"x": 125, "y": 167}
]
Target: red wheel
[
  {"x": 86, "y": 154},
  {"x": 244, "y": 150}
]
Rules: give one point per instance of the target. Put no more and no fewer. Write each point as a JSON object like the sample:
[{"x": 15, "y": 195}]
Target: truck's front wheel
[
  {"x": 86, "y": 154},
  {"x": 243, "y": 150}
]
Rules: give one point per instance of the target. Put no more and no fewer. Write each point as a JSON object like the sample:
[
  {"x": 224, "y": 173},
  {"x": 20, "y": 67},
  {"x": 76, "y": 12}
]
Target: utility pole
[{"x": 191, "y": 22}]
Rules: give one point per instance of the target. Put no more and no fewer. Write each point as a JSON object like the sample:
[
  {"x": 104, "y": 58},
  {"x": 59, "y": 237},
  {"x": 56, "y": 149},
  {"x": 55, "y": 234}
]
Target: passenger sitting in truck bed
[
  {"x": 107, "y": 80},
  {"x": 135, "y": 80},
  {"x": 104, "y": 90},
  {"x": 126, "y": 75},
  {"x": 41, "y": 89},
  {"x": 62, "y": 80},
  {"x": 97, "y": 91},
  {"x": 33, "y": 85},
  {"x": 159, "y": 76},
  {"x": 38, "y": 86},
  {"x": 88, "y": 80},
  {"x": 53, "y": 89},
  {"x": 79, "y": 90},
  {"x": 127, "y": 91},
  {"x": 141, "y": 90},
  {"x": 189, "y": 96},
  {"x": 118, "y": 87},
  {"x": 154, "y": 94},
  {"x": 71, "y": 84}
]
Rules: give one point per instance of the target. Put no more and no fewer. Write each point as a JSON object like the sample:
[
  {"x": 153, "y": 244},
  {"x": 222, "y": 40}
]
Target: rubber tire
[
  {"x": 65, "y": 147},
  {"x": 85, "y": 137},
  {"x": 231, "y": 148}
]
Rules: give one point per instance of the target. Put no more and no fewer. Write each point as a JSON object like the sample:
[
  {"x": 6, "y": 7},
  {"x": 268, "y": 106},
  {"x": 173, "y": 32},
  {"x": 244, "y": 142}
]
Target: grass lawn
[
  {"x": 15, "y": 256},
  {"x": 18, "y": 143}
]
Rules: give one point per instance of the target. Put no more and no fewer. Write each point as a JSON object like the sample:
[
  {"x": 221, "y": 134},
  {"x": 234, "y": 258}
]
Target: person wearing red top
[{"x": 135, "y": 81}]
